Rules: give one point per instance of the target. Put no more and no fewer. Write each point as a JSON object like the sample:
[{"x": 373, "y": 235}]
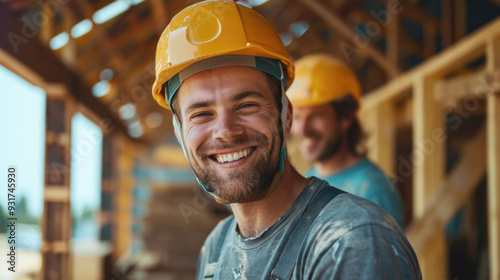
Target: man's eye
[
  {"x": 199, "y": 115},
  {"x": 248, "y": 105}
]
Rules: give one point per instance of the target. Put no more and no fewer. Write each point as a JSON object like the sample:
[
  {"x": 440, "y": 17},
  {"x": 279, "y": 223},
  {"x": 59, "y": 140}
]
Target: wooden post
[
  {"x": 122, "y": 234},
  {"x": 429, "y": 137},
  {"x": 446, "y": 23},
  {"x": 392, "y": 50},
  {"x": 56, "y": 219},
  {"x": 493, "y": 167},
  {"x": 380, "y": 125},
  {"x": 429, "y": 40},
  {"x": 107, "y": 194},
  {"x": 460, "y": 185},
  {"x": 336, "y": 23},
  {"x": 459, "y": 19}
]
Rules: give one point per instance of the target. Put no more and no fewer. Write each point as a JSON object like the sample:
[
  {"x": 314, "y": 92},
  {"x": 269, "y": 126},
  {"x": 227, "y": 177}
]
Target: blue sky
[{"x": 22, "y": 126}]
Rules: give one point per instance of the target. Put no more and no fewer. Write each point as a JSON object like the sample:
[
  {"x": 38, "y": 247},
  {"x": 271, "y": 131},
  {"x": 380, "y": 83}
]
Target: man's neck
[
  {"x": 256, "y": 216},
  {"x": 338, "y": 162}
]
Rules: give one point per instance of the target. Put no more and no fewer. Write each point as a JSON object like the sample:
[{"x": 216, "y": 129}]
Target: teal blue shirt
[{"x": 366, "y": 180}]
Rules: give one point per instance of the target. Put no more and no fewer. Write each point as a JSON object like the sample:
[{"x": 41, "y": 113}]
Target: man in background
[{"x": 325, "y": 97}]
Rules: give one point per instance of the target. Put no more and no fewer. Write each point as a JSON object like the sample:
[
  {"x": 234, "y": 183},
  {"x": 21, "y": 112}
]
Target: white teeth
[{"x": 232, "y": 157}]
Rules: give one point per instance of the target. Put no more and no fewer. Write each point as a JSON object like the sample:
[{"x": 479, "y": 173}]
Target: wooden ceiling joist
[
  {"x": 37, "y": 57},
  {"x": 336, "y": 23}
]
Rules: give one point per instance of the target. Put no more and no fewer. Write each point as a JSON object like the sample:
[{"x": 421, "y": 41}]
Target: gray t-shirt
[{"x": 352, "y": 238}]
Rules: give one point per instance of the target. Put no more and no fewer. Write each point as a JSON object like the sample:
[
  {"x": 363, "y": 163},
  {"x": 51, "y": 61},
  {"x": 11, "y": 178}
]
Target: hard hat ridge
[
  {"x": 320, "y": 79},
  {"x": 219, "y": 33},
  {"x": 214, "y": 28}
]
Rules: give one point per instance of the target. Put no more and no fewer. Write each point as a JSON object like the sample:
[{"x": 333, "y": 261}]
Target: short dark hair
[{"x": 346, "y": 107}]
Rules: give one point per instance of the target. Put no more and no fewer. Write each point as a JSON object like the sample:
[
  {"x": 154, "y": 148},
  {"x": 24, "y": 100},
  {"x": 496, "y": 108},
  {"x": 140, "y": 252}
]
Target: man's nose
[{"x": 227, "y": 127}]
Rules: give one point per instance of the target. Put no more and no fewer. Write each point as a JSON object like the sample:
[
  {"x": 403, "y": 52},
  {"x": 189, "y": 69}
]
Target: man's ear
[{"x": 289, "y": 119}]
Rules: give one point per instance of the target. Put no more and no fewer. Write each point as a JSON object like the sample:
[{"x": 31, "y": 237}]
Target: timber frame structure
[{"x": 437, "y": 197}]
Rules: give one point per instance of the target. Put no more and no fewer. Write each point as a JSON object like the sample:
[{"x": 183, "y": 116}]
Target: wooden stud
[
  {"x": 47, "y": 28},
  {"x": 392, "y": 38},
  {"x": 451, "y": 91},
  {"x": 429, "y": 41},
  {"x": 122, "y": 235},
  {"x": 446, "y": 22},
  {"x": 380, "y": 126},
  {"x": 99, "y": 32},
  {"x": 107, "y": 192},
  {"x": 56, "y": 218},
  {"x": 336, "y": 23},
  {"x": 493, "y": 144},
  {"x": 429, "y": 136},
  {"x": 459, "y": 19},
  {"x": 452, "y": 58},
  {"x": 459, "y": 186}
]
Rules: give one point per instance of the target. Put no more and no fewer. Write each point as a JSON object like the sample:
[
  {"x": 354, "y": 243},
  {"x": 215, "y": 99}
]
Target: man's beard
[
  {"x": 245, "y": 183},
  {"x": 332, "y": 147}
]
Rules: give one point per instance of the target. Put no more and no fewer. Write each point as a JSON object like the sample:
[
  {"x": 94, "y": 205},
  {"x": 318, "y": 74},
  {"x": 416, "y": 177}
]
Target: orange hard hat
[
  {"x": 322, "y": 78},
  {"x": 211, "y": 29}
]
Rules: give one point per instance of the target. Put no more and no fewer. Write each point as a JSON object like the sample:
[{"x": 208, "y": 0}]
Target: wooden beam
[
  {"x": 459, "y": 186},
  {"x": 418, "y": 15},
  {"x": 459, "y": 19},
  {"x": 138, "y": 31},
  {"x": 392, "y": 41},
  {"x": 404, "y": 113},
  {"x": 493, "y": 144},
  {"x": 446, "y": 23},
  {"x": 34, "y": 58},
  {"x": 380, "y": 125},
  {"x": 108, "y": 212},
  {"x": 56, "y": 218},
  {"x": 428, "y": 146},
  {"x": 451, "y": 91},
  {"x": 122, "y": 236},
  {"x": 100, "y": 35},
  {"x": 429, "y": 41},
  {"x": 429, "y": 136},
  {"x": 159, "y": 15},
  {"x": 469, "y": 48},
  {"x": 336, "y": 23}
]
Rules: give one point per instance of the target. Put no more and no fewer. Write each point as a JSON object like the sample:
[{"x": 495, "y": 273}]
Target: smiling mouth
[{"x": 229, "y": 157}]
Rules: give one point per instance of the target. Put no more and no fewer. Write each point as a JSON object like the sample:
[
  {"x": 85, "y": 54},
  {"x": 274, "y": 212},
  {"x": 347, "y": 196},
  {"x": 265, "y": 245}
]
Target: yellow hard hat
[
  {"x": 211, "y": 29},
  {"x": 322, "y": 78}
]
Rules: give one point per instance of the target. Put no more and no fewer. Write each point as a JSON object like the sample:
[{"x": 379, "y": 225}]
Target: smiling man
[
  {"x": 222, "y": 70},
  {"x": 326, "y": 97},
  {"x": 230, "y": 144}
]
